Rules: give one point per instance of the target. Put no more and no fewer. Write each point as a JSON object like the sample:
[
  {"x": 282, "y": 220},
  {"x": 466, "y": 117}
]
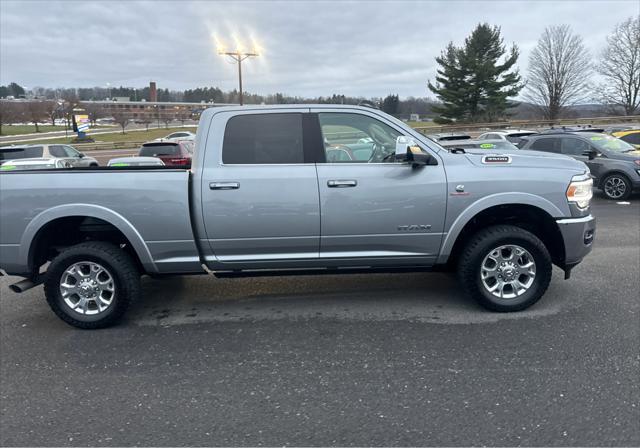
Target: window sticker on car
[
  {"x": 120, "y": 164},
  {"x": 7, "y": 167},
  {"x": 596, "y": 137},
  {"x": 496, "y": 160},
  {"x": 487, "y": 145}
]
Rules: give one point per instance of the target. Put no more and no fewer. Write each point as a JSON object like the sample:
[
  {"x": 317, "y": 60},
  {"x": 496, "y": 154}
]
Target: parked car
[
  {"x": 180, "y": 135},
  {"x": 614, "y": 164},
  {"x": 136, "y": 161},
  {"x": 488, "y": 145},
  {"x": 171, "y": 153},
  {"x": 67, "y": 153},
  {"x": 631, "y": 136},
  {"x": 511, "y": 135},
  {"x": 34, "y": 164},
  {"x": 262, "y": 199}
]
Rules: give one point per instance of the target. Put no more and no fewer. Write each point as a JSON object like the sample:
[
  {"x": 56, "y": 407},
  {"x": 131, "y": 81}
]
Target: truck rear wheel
[
  {"x": 90, "y": 285},
  {"x": 505, "y": 268}
]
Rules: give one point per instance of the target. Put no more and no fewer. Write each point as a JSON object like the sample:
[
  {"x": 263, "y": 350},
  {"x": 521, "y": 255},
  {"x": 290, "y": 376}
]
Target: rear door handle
[
  {"x": 224, "y": 185},
  {"x": 341, "y": 183}
]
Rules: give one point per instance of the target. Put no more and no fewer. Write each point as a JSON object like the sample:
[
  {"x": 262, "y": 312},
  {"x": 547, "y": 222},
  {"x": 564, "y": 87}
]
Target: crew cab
[{"x": 263, "y": 197}]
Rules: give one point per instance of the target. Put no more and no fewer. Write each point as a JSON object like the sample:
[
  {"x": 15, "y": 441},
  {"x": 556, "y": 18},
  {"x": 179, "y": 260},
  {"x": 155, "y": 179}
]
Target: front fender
[
  {"x": 487, "y": 202},
  {"x": 87, "y": 210}
]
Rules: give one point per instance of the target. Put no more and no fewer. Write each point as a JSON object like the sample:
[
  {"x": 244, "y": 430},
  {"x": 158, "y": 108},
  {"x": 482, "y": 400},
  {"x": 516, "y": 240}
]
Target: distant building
[
  {"x": 145, "y": 110},
  {"x": 414, "y": 117}
]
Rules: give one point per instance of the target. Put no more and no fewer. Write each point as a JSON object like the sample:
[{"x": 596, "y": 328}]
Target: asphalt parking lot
[{"x": 400, "y": 359}]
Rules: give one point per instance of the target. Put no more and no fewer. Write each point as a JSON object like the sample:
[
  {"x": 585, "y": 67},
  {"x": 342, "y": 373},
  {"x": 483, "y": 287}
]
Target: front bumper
[{"x": 578, "y": 235}]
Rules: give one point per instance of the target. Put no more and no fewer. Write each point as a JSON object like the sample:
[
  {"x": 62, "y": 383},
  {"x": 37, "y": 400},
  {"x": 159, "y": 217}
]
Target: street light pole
[{"x": 239, "y": 56}]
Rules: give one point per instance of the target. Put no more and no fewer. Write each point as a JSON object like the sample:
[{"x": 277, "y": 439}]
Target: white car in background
[
  {"x": 67, "y": 153},
  {"x": 135, "y": 161},
  {"x": 177, "y": 136},
  {"x": 511, "y": 135},
  {"x": 40, "y": 163}
]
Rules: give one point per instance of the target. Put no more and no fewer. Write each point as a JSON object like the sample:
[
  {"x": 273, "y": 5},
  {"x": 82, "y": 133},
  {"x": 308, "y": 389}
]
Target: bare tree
[
  {"x": 121, "y": 118},
  {"x": 146, "y": 120},
  {"x": 559, "y": 71},
  {"x": 10, "y": 112},
  {"x": 620, "y": 67},
  {"x": 167, "y": 119},
  {"x": 52, "y": 111},
  {"x": 36, "y": 112},
  {"x": 94, "y": 111}
]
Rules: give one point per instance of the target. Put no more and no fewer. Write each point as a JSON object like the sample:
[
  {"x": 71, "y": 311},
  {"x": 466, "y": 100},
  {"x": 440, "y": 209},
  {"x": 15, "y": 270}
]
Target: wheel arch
[
  {"x": 609, "y": 173},
  {"x": 536, "y": 216},
  {"x": 70, "y": 217}
]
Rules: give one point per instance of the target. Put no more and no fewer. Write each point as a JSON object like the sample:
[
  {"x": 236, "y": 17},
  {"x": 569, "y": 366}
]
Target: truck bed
[{"x": 150, "y": 206}]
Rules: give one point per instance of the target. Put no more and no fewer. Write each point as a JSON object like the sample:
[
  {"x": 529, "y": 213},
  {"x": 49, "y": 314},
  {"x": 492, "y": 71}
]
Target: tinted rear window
[
  {"x": 159, "y": 150},
  {"x": 546, "y": 144},
  {"x": 263, "y": 139},
  {"x": 20, "y": 153}
]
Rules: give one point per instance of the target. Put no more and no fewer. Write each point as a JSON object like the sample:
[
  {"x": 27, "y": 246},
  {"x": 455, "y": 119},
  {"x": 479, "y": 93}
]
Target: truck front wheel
[
  {"x": 505, "y": 268},
  {"x": 90, "y": 285}
]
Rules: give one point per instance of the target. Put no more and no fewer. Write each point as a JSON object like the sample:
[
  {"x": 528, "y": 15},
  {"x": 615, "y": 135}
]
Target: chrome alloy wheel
[
  {"x": 615, "y": 187},
  {"x": 508, "y": 271},
  {"x": 87, "y": 288}
]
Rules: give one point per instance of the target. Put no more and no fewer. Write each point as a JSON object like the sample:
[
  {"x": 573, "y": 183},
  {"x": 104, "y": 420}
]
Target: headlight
[{"x": 580, "y": 192}]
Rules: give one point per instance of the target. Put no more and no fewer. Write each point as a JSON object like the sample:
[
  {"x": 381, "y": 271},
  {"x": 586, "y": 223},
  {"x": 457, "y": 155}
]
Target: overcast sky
[{"x": 368, "y": 48}]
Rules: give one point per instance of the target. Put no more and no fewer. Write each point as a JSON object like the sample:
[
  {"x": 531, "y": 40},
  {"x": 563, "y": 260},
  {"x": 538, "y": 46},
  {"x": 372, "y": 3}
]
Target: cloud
[{"x": 307, "y": 48}]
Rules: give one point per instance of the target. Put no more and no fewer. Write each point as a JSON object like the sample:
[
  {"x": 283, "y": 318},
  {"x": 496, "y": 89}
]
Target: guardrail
[
  {"x": 528, "y": 124},
  {"x": 106, "y": 146}
]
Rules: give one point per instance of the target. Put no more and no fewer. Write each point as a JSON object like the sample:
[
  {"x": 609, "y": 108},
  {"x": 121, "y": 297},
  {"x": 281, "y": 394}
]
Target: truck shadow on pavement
[{"x": 418, "y": 297}]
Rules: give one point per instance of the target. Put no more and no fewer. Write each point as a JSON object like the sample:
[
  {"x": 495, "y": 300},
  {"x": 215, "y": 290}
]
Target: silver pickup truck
[{"x": 283, "y": 190}]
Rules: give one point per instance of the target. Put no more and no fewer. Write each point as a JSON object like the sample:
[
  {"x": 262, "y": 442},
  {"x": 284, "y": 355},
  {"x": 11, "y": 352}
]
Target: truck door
[
  {"x": 260, "y": 199},
  {"x": 373, "y": 207}
]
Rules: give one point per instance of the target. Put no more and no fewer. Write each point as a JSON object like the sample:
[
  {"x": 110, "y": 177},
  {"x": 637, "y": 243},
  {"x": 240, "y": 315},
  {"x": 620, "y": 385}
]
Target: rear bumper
[{"x": 578, "y": 235}]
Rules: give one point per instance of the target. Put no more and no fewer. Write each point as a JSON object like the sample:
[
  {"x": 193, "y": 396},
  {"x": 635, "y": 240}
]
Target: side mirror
[
  {"x": 407, "y": 149},
  {"x": 81, "y": 155},
  {"x": 591, "y": 153},
  {"x": 419, "y": 158}
]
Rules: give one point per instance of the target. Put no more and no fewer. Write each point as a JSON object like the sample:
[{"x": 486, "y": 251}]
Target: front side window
[
  {"x": 71, "y": 152},
  {"x": 573, "y": 146},
  {"x": 357, "y": 138},
  {"x": 263, "y": 139},
  {"x": 57, "y": 151}
]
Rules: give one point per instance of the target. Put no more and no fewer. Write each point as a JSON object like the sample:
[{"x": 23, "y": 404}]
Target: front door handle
[
  {"x": 224, "y": 185},
  {"x": 341, "y": 183}
]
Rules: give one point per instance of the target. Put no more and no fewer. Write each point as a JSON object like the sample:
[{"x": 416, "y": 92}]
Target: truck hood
[{"x": 527, "y": 159}]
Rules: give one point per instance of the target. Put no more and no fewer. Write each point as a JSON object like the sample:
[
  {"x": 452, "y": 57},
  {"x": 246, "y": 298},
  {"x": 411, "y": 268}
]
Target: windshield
[
  {"x": 29, "y": 152},
  {"x": 159, "y": 150},
  {"x": 609, "y": 143}
]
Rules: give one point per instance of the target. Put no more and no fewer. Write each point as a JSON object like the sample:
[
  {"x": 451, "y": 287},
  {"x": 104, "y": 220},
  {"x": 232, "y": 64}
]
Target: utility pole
[{"x": 238, "y": 57}]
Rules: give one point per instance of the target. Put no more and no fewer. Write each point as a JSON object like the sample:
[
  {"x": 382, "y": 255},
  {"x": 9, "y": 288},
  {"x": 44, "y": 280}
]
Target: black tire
[
  {"x": 486, "y": 241},
  {"x": 621, "y": 180},
  {"x": 94, "y": 165},
  {"x": 120, "y": 266}
]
